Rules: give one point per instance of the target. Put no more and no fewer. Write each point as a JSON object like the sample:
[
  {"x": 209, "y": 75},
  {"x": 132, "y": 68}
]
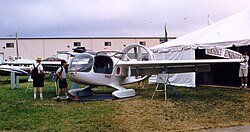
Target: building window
[
  {"x": 77, "y": 44},
  {"x": 142, "y": 43},
  {"x": 9, "y": 45},
  {"x": 107, "y": 43}
]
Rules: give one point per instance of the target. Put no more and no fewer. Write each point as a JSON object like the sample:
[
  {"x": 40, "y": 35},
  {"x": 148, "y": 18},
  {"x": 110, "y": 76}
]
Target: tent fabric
[
  {"x": 229, "y": 32},
  {"x": 182, "y": 79}
]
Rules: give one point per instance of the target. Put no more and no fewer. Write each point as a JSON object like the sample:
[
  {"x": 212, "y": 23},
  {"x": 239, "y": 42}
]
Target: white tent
[{"x": 233, "y": 30}]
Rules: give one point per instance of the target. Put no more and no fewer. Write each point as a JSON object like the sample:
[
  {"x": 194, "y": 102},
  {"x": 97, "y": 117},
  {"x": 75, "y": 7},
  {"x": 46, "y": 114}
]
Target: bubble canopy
[{"x": 81, "y": 63}]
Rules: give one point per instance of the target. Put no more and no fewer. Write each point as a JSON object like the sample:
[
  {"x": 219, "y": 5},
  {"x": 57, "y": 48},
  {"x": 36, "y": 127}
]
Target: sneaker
[
  {"x": 58, "y": 100},
  {"x": 245, "y": 86},
  {"x": 34, "y": 98},
  {"x": 41, "y": 98},
  {"x": 242, "y": 86}
]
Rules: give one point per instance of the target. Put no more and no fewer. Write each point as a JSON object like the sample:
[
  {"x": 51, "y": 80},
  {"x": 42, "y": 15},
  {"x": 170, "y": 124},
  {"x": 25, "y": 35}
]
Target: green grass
[
  {"x": 20, "y": 112},
  {"x": 196, "y": 109}
]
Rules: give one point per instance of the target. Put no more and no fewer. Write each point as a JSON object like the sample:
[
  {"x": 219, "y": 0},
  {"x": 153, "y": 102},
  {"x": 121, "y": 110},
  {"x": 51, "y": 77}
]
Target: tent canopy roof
[{"x": 233, "y": 30}]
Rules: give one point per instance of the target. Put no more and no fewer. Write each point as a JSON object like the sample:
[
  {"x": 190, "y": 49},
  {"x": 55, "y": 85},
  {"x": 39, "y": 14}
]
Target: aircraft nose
[
  {"x": 72, "y": 73},
  {"x": 72, "y": 76}
]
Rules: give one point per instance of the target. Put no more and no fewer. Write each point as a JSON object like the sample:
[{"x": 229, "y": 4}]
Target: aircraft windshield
[{"x": 81, "y": 63}]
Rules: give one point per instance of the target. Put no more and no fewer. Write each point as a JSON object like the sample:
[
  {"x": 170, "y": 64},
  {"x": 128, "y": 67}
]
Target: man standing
[
  {"x": 61, "y": 73},
  {"x": 243, "y": 72},
  {"x": 37, "y": 75}
]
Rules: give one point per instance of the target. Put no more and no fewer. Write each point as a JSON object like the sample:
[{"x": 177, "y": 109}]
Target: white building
[{"x": 31, "y": 48}]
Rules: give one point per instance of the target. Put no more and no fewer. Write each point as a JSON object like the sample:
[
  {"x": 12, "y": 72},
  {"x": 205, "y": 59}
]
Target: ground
[{"x": 196, "y": 109}]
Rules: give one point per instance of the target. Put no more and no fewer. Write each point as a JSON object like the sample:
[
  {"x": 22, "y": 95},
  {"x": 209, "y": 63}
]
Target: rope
[{"x": 172, "y": 88}]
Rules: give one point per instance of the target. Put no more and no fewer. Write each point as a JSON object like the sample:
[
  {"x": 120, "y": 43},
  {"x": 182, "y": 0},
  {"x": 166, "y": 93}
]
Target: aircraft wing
[
  {"x": 47, "y": 65},
  {"x": 172, "y": 66},
  {"x": 51, "y": 65},
  {"x": 32, "y": 62},
  {"x": 20, "y": 70}
]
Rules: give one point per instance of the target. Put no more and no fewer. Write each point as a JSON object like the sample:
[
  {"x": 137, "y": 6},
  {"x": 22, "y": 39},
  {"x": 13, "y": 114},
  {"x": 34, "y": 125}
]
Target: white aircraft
[
  {"x": 22, "y": 66},
  {"x": 114, "y": 69}
]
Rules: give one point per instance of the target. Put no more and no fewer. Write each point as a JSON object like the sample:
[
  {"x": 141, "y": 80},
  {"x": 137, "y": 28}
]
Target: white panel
[
  {"x": 1, "y": 58},
  {"x": 180, "y": 79}
]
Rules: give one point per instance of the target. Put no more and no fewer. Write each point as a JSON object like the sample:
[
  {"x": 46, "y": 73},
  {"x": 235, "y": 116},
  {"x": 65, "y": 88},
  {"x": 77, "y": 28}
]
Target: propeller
[{"x": 139, "y": 53}]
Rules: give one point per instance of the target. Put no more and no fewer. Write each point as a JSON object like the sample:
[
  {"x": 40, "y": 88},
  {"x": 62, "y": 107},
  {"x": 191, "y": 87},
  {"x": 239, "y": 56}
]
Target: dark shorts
[
  {"x": 38, "y": 81},
  {"x": 62, "y": 83}
]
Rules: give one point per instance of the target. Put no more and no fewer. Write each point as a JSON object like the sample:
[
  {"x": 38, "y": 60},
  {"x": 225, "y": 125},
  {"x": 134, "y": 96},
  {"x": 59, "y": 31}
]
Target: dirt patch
[
  {"x": 146, "y": 115},
  {"x": 229, "y": 129},
  {"x": 158, "y": 115}
]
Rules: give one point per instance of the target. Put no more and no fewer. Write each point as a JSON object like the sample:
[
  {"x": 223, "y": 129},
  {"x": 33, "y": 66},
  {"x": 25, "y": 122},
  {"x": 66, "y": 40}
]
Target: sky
[{"x": 43, "y": 18}]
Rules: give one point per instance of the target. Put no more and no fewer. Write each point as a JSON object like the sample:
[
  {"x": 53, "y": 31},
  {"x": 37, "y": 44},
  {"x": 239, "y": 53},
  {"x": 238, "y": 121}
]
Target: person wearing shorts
[
  {"x": 38, "y": 80},
  {"x": 62, "y": 82},
  {"x": 243, "y": 71}
]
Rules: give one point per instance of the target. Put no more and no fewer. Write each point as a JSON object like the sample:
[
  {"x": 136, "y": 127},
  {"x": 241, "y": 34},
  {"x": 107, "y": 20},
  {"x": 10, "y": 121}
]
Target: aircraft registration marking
[{"x": 108, "y": 76}]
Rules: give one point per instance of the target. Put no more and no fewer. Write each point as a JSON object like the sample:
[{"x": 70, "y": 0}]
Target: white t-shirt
[
  {"x": 39, "y": 68},
  {"x": 244, "y": 65},
  {"x": 63, "y": 73}
]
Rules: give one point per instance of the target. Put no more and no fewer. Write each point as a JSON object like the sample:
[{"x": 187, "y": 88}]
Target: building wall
[{"x": 31, "y": 48}]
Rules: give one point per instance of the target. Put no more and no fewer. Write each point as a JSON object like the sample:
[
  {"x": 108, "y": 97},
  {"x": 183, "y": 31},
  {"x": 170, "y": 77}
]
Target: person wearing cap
[
  {"x": 38, "y": 79},
  {"x": 61, "y": 73},
  {"x": 243, "y": 72}
]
